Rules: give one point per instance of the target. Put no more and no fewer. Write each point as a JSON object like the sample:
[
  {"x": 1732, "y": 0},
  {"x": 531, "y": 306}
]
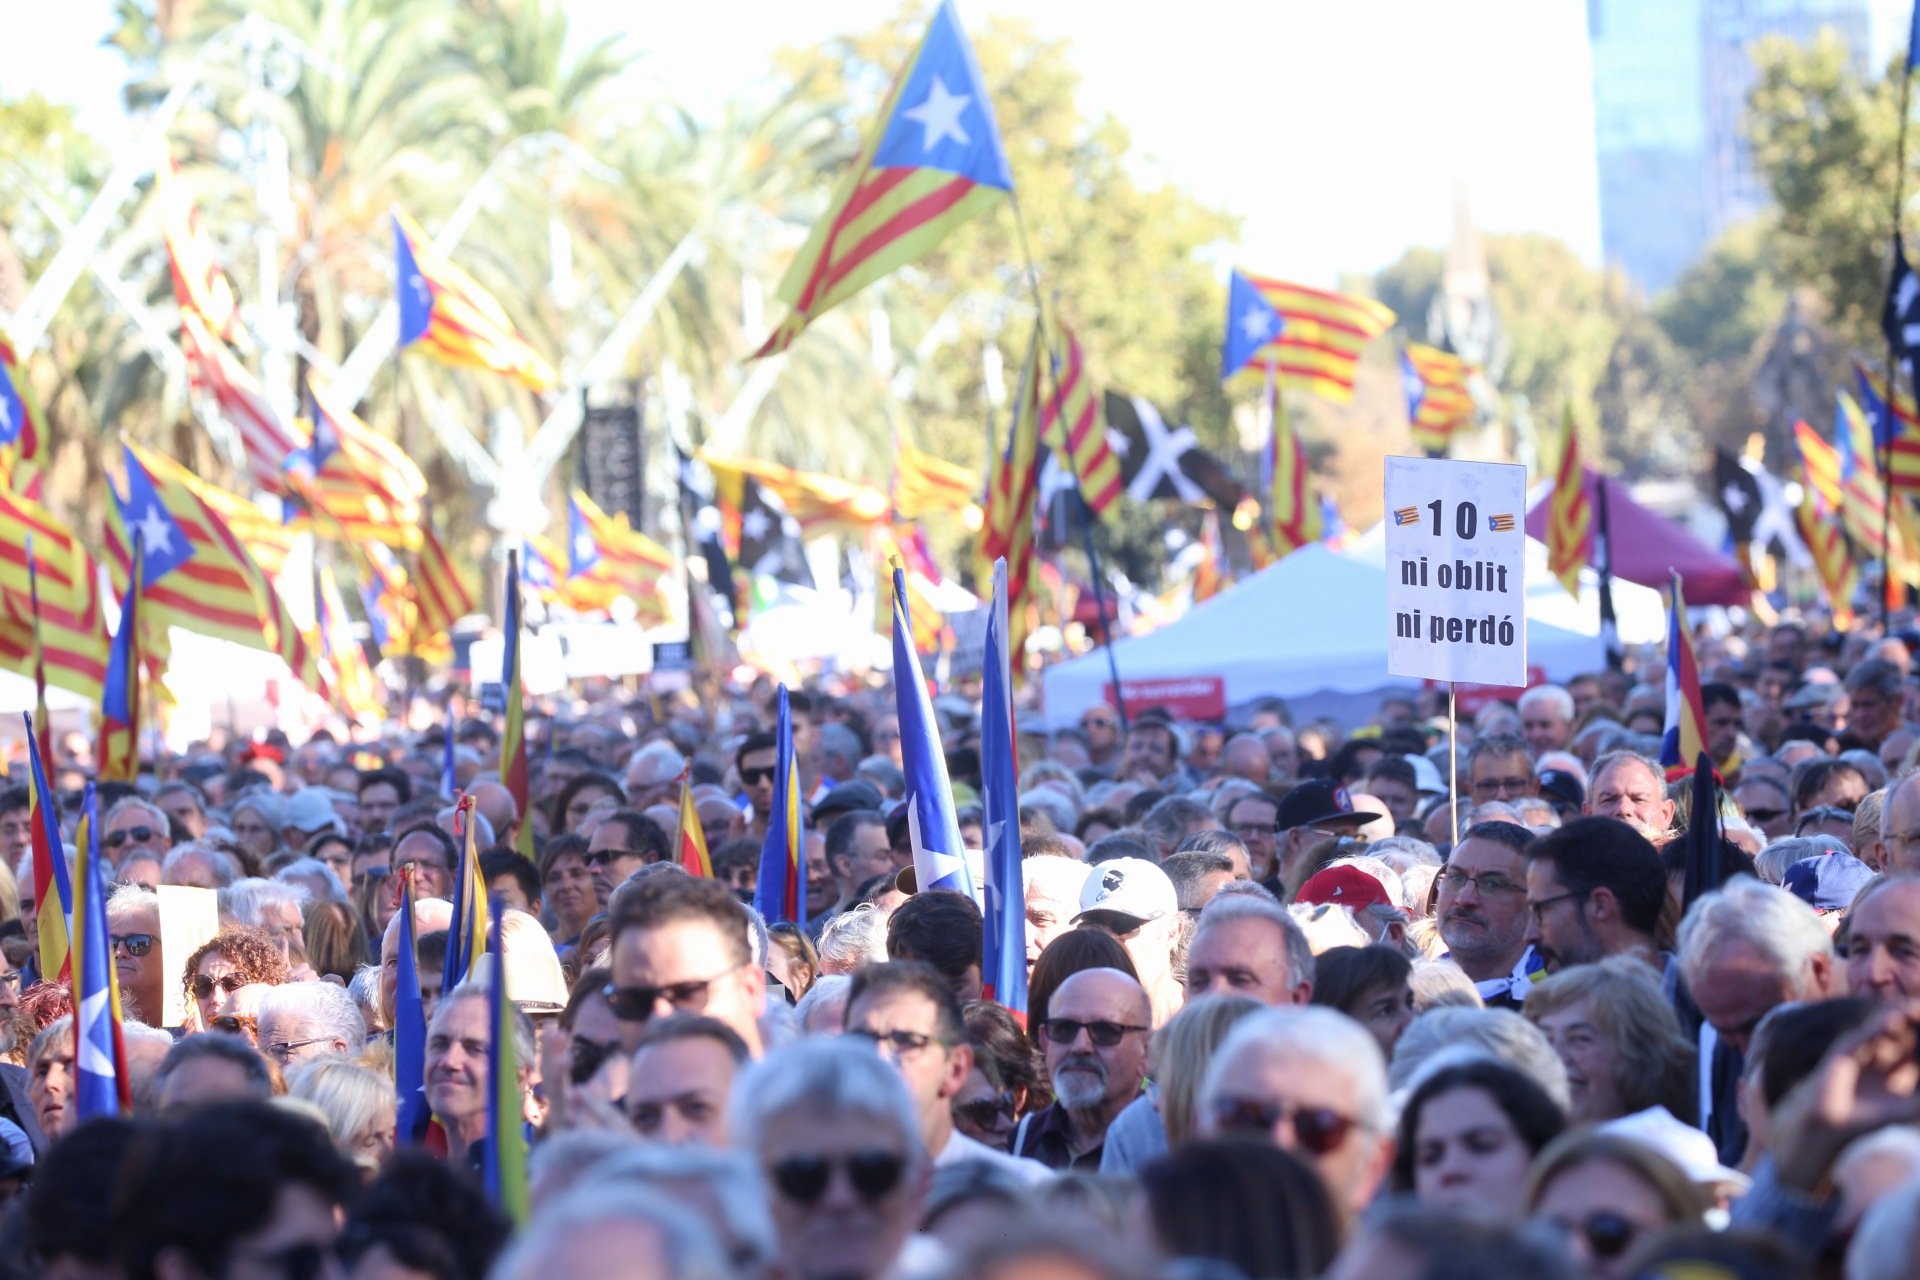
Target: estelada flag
[{"x": 447, "y": 314}]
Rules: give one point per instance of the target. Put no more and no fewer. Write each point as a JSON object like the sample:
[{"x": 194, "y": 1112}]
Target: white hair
[
  {"x": 131, "y": 897},
  {"x": 1565, "y": 762},
  {"x": 1764, "y": 917},
  {"x": 263, "y": 801},
  {"x": 1548, "y": 695},
  {"x": 225, "y": 867},
  {"x": 476, "y": 989},
  {"x": 729, "y": 1181},
  {"x": 1444, "y": 1036},
  {"x": 757, "y": 940},
  {"x": 246, "y": 901},
  {"x": 1401, "y": 852},
  {"x": 559, "y": 1163},
  {"x": 1316, "y": 1034},
  {"x": 823, "y": 1077},
  {"x": 1051, "y": 771},
  {"x": 129, "y": 803},
  {"x": 1059, "y": 807},
  {"x": 1889, "y": 1236},
  {"x": 328, "y": 1008},
  {"x": 1245, "y": 906},
  {"x": 829, "y": 993},
  {"x": 852, "y": 938},
  {"x": 300, "y": 868},
  {"x": 690, "y": 1251},
  {"x": 1061, "y": 878}
]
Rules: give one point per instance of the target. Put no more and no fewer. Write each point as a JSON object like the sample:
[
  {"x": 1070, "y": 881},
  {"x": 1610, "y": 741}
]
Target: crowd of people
[{"x": 1294, "y": 1007}]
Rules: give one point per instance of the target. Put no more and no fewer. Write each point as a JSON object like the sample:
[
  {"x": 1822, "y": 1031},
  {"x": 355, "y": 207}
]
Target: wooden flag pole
[{"x": 1453, "y": 759}]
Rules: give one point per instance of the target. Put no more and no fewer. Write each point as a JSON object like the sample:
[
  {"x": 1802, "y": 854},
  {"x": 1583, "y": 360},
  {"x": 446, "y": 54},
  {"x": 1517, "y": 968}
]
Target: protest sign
[{"x": 1456, "y": 575}]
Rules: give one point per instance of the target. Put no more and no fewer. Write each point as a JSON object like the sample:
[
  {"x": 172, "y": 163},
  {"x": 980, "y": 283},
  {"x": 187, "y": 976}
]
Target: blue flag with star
[
  {"x": 1252, "y": 323},
  {"x": 942, "y": 118},
  {"x": 583, "y": 549},
  {"x": 1412, "y": 385},
  {"x": 1003, "y": 954},
  {"x": 164, "y": 542},
  {"x": 933, "y": 825},
  {"x": 410, "y": 287}
]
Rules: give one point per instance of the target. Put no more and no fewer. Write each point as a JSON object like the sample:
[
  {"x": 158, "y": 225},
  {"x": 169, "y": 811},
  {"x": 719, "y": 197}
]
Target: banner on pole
[{"x": 1456, "y": 570}]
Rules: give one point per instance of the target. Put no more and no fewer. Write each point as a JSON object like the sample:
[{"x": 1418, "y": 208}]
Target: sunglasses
[
  {"x": 1607, "y": 1233},
  {"x": 605, "y": 857},
  {"x": 1104, "y": 1035},
  {"x": 984, "y": 1113},
  {"x": 754, "y": 777},
  {"x": 805, "y": 1179},
  {"x": 636, "y": 1004},
  {"x": 137, "y": 944},
  {"x": 901, "y": 1042},
  {"x": 1319, "y": 1130},
  {"x": 236, "y": 1024},
  {"x": 584, "y": 1058},
  {"x": 203, "y": 986},
  {"x": 139, "y": 835}
]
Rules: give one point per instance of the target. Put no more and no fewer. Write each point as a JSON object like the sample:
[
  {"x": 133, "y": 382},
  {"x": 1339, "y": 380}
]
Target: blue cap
[{"x": 1828, "y": 881}]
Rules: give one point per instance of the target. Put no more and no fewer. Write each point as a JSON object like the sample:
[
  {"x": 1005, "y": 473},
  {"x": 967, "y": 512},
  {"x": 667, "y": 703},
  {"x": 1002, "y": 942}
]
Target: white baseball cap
[{"x": 1130, "y": 887}]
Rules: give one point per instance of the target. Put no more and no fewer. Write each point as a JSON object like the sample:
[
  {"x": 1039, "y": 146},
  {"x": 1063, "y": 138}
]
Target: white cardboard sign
[{"x": 1456, "y": 570}]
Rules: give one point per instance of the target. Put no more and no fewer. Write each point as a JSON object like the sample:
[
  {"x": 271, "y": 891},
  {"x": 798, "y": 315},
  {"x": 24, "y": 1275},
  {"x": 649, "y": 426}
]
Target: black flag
[
  {"x": 1900, "y": 319},
  {"x": 1162, "y": 463},
  {"x": 1738, "y": 492}
]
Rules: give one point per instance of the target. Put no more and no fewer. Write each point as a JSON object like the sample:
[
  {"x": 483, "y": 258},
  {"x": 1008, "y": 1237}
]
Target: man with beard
[
  {"x": 1482, "y": 910},
  {"x": 1633, "y": 789},
  {"x": 1095, "y": 1038},
  {"x": 1594, "y": 889}
]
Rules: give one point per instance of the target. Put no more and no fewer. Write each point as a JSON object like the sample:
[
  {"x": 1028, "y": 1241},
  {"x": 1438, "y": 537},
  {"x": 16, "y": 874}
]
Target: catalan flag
[
  {"x": 504, "y": 1170},
  {"x": 452, "y": 318},
  {"x": 119, "y": 744},
  {"x": 355, "y": 690},
  {"x": 933, "y": 162},
  {"x": 199, "y": 285},
  {"x": 1406, "y": 515},
  {"x": 102, "y": 1086},
  {"x": 904, "y": 545},
  {"x": 1896, "y": 428},
  {"x": 608, "y": 548},
  {"x": 198, "y": 576},
  {"x": 22, "y": 428},
  {"x": 924, "y": 485},
  {"x": 780, "y": 895},
  {"x": 1252, "y": 323},
  {"x": 1003, "y": 955},
  {"x": 819, "y": 502},
  {"x": 933, "y": 824},
  {"x": 409, "y": 1029},
  {"x": 217, "y": 374},
  {"x": 467, "y": 931},
  {"x": 513, "y": 738},
  {"x": 1685, "y": 736},
  {"x": 1317, "y": 347},
  {"x": 691, "y": 840},
  {"x": 1439, "y": 402},
  {"x": 1013, "y": 486},
  {"x": 1570, "y": 515},
  {"x": 1822, "y": 530},
  {"x": 1073, "y": 423},
  {"x": 52, "y": 628},
  {"x": 52, "y": 885},
  {"x": 440, "y": 592},
  {"x": 1293, "y": 513},
  {"x": 364, "y": 485}
]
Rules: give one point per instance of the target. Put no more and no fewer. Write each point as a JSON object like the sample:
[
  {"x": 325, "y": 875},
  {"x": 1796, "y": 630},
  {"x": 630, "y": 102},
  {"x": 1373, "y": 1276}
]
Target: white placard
[
  {"x": 188, "y": 917},
  {"x": 1456, "y": 571}
]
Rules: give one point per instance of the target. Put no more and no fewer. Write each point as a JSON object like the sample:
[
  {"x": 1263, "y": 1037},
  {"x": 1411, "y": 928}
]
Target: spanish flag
[
  {"x": 691, "y": 843},
  {"x": 453, "y": 319}
]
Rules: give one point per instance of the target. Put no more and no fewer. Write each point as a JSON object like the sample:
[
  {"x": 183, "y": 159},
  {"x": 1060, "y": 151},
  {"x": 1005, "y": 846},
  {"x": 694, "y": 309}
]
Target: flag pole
[
  {"x": 1073, "y": 467},
  {"x": 1886, "y": 424},
  {"x": 1609, "y": 622}
]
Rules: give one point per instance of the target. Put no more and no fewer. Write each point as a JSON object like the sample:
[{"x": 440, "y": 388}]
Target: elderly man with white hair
[
  {"x": 133, "y": 824},
  {"x": 272, "y": 906},
  {"x": 199, "y": 865},
  {"x": 302, "y": 1021},
  {"x": 1311, "y": 1081},
  {"x": 1053, "y": 887},
  {"x": 653, "y": 774},
  {"x": 1546, "y": 718}
]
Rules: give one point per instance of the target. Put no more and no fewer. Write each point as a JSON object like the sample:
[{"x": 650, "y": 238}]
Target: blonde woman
[
  {"x": 1162, "y": 1118},
  {"x": 358, "y": 1104}
]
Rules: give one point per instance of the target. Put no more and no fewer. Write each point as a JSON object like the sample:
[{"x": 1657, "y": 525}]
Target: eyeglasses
[
  {"x": 236, "y": 1024},
  {"x": 1318, "y": 1130},
  {"x": 1539, "y": 909},
  {"x": 606, "y": 857},
  {"x": 203, "y": 986},
  {"x": 1500, "y": 786},
  {"x": 636, "y": 1004},
  {"x": 754, "y": 777},
  {"x": 804, "y": 1179},
  {"x": 137, "y": 944},
  {"x": 139, "y": 835},
  {"x": 1607, "y": 1233},
  {"x": 281, "y": 1050},
  {"x": 1491, "y": 884},
  {"x": 1350, "y": 836},
  {"x": 901, "y": 1042},
  {"x": 1104, "y": 1035},
  {"x": 982, "y": 1113},
  {"x": 1256, "y": 831}
]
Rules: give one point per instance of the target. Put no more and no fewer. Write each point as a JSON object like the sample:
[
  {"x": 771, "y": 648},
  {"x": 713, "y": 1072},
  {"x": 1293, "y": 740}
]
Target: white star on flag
[
  {"x": 583, "y": 546},
  {"x": 157, "y": 530},
  {"x": 6, "y": 415},
  {"x": 939, "y": 862},
  {"x": 417, "y": 285},
  {"x": 939, "y": 115},
  {"x": 94, "y": 1060},
  {"x": 1257, "y": 323},
  {"x": 1412, "y": 383},
  {"x": 754, "y": 524}
]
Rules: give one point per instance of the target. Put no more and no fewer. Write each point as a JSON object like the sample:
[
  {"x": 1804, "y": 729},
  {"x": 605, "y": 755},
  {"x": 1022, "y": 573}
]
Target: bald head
[
  {"x": 496, "y": 805},
  {"x": 1246, "y": 757},
  {"x": 1120, "y": 995}
]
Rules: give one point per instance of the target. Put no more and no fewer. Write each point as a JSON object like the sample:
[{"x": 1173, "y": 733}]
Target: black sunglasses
[
  {"x": 636, "y": 1004},
  {"x": 982, "y": 1113},
  {"x": 137, "y": 944},
  {"x": 754, "y": 777},
  {"x": 804, "y": 1179},
  {"x": 605, "y": 857},
  {"x": 1606, "y": 1233},
  {"x": 584, "y": 1058},
  {"x": 1104, "y": 1035},
  {"x": 203, "y": 986},
  {"x": 1319, "y": 1130},
  {"x": 139, "y": 835}
]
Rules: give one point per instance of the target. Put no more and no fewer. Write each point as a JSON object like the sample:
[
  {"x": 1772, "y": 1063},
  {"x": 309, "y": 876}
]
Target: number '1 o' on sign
[{"x": 1456, "y": 571}]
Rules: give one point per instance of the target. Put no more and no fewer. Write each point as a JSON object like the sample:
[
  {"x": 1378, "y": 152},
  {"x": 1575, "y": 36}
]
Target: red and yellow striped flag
[
  {"x": 199, "y": 286},
  {"x": 365, "y": 485},
  {"x": 513, "y": 738},
  {"x": 52, "y": 628},
  {"x": 691, "y": 842},
  {"x": 1570, "y": 513},
  {"x": 1833, "y": 562},
  {"x": 933, "y": 161},
  {"x": 924, "y": 484},
  {"x": 1073, "y": 424},
  {"x": 1321, "y": 337},
  {"x": 440, "y": 593},
  {"x": 1013, "y": 487},
  {"x": 23, "y": 430},
  {"x": 1438, "y": 401},
  {"x": 1293, "y": 511},
  {"x": 452, "y": 318},
  {"x": 1903, "y": 451}
]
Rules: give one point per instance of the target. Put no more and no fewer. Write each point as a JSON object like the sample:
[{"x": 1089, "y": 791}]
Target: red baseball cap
[{"x": 1344, "y": 886}]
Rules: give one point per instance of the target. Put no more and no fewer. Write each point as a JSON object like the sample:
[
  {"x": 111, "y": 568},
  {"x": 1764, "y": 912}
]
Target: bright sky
[{"x": 1337, "y": 131}]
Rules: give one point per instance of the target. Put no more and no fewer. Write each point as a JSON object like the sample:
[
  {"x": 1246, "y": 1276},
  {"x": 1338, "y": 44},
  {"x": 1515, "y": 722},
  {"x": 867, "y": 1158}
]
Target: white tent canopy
[{"x": 1312, "y": 629}]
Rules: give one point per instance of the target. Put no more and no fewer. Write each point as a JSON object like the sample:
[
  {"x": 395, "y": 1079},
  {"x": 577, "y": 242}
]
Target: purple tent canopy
[{"x": 1647, "y": 546}]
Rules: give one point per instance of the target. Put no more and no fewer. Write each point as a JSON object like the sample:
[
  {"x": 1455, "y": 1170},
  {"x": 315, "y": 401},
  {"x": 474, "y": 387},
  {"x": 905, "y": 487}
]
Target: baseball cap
[
  {"x": 1658, "y": 1130},
  {"x": 1426, "y": 776},
  {"x": 1319, "y": 801},
  {"x": 310, "y": 810},
  {"x": 1132, "y": 889},
  {"x": 844, "y": 798},
  {"x": 1345, "y": 887},
  {"x": 1827, "y": 881},
  {"x": 1564, "y": 786}
]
